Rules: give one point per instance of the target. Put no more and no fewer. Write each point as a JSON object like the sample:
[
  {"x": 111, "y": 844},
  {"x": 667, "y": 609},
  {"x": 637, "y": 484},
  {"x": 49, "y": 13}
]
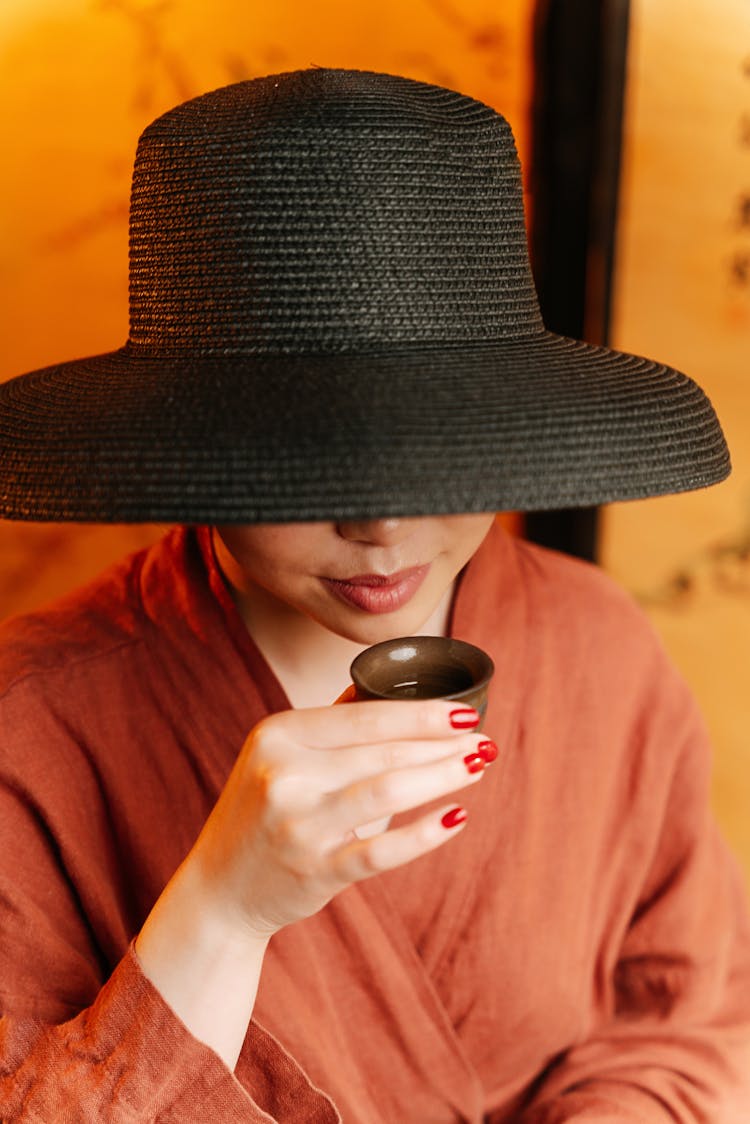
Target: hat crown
[{"x": 327, "y": 210}]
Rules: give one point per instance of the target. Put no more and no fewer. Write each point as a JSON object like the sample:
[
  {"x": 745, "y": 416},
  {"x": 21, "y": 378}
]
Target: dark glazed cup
[{"x": 424, "y": 667}]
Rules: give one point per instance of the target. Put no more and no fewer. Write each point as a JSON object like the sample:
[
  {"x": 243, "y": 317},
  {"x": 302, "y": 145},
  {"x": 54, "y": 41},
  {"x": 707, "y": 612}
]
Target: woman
[{"x": 223, "y": 898}]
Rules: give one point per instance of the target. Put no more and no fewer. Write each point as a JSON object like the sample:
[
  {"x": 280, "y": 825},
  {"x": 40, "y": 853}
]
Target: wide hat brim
[{"x": 539, "y": 423}]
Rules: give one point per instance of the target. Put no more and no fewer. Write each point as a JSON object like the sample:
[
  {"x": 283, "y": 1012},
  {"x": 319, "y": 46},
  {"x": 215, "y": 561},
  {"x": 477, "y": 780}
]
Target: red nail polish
[
  {"x": 487, "y": 751},
  {"x": 454, "y": 817},
  {"x": 474, "y": 762},
  {"x": 464, "y": 719}
]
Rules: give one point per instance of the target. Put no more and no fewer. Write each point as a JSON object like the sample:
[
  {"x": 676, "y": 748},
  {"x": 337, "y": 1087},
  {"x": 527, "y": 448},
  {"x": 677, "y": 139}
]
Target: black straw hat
[{"x": 332, "y": 316}]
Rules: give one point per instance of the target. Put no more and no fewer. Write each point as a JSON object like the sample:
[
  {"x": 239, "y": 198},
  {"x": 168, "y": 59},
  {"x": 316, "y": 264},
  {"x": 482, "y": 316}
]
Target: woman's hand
[{"x": 280, "y": 842}]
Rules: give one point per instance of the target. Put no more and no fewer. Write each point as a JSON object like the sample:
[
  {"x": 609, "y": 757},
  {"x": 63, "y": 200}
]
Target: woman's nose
[{"x": 377, "y": 532}]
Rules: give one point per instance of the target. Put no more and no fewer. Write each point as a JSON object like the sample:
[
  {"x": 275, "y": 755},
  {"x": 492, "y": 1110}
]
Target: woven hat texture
[{"x": 332, "y": 316}]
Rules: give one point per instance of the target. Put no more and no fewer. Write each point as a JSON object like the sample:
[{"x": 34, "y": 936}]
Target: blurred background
[{"x": 633, "y": 123}]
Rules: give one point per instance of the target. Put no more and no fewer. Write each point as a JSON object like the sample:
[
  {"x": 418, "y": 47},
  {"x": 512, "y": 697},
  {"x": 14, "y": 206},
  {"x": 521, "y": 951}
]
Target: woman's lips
[{"x": 379, "y": 593}]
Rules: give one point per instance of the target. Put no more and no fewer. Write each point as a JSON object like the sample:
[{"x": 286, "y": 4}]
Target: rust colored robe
[{"x": 579, "y": 952}]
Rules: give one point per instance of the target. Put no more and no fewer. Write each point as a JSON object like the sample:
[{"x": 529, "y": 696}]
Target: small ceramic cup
[{"x": 424, "y": 667}]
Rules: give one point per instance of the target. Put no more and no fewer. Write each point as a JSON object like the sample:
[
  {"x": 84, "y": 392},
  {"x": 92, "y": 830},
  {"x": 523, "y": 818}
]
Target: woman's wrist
[{"x": 204, "y": 961}]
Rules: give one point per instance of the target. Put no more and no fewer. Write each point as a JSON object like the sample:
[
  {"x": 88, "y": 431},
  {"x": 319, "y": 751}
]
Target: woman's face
[{"x": 366, "y": 580}]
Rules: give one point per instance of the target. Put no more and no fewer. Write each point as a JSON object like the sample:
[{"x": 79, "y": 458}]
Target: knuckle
[
  {"x": 279, "y": 832},
  {"x": 286, "y": 835},
  {"x": 270, "y": 735},
  {"x": 307, "y": 863},
  {"x": 278, "y": 780},
  {"x": 276, "y": 790},
  {"x": 369, "y": 860},
  {"x": 382, "y": 792},
  {"x": 259, "y": 746},
  {"x": 263, "y": 731},
  {"x": 270, "y": 785}
]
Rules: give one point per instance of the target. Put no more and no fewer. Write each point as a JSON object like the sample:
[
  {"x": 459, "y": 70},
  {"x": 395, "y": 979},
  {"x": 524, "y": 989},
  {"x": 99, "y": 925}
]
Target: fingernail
[
  {"x": 454, "y": 817},
  {"x": 464, "y": 719},
  {"x": 474, "y": 762},
  {"x": 487, "y": 751}
]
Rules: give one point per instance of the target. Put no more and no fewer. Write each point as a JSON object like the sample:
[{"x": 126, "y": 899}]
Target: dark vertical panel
[{"x": 580, "y": 51}]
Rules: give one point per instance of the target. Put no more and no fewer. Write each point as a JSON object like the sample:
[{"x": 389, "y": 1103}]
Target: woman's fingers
[
  {"x": 387, "y": 794},
  {"x": 327, "y": 771},
  {"x": 360, "y": 779},
  {"x": 321, "y": 750},
  {"x": 366, "y": 723},
  {"x": 361, "y": 859}
]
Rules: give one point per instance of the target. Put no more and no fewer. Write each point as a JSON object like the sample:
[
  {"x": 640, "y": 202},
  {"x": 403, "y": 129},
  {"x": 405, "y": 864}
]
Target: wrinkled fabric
[{"x": 580, "y": 951}]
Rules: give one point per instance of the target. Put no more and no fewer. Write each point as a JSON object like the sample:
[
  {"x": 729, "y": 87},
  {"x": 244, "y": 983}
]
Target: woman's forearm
[{"x": 206, "y": 969}]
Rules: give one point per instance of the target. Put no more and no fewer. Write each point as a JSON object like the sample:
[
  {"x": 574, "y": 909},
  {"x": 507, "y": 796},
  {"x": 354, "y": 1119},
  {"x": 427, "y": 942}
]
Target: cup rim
[{"x": 397, "y": 641}]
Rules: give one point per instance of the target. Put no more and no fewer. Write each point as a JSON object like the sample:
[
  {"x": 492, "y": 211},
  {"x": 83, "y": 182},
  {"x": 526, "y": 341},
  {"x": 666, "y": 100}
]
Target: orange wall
[
  {"x": 683, "y": 294},
  {"x": 80, "y": 79}
]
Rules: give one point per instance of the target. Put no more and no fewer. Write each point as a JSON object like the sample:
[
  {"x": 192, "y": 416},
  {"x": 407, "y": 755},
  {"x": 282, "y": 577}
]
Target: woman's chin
[{"x": 373, "y": 628}]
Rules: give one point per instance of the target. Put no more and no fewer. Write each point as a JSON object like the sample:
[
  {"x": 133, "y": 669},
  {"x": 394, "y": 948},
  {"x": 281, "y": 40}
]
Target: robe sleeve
[
  {"x": 78, "y": 1043},
  {"x": 676, "y": 1044}
]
